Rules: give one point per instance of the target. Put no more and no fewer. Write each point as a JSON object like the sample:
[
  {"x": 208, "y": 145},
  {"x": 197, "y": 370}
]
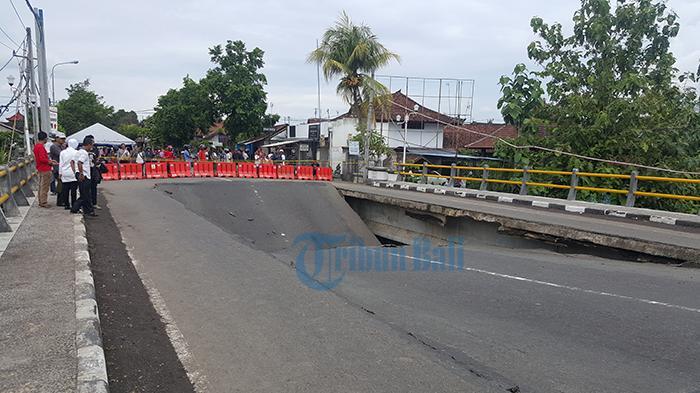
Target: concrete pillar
[
  {"x": 631, "y": 198},
  {"x": 526, "y": 178},
  {"x": 574, "y": 184},
  {"x": 484, "y": 177},
  {"x": 453, "y": 173}
]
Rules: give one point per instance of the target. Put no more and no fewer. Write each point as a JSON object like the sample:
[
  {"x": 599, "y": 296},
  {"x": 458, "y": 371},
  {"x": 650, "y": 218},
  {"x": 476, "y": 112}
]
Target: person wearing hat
[
  {"x": 186, "y": 155},
  {"x": 55, "y": 149},
  {"x": 202, "y": 153},
  {"x": 168, "y": 153}
]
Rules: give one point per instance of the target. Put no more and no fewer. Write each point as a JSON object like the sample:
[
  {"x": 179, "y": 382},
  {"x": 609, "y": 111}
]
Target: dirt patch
[{"x": 139, "y": 355}]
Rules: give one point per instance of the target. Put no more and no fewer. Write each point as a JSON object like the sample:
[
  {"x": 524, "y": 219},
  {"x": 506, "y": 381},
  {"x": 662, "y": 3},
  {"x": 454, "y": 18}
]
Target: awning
[{"x": 287, "y": 142}]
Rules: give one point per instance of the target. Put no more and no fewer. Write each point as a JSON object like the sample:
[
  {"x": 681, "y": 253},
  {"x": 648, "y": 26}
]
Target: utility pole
[
  {"x": 31, "y": 92},
  {"x": 29, "y": 80},
  {"x": 368, "y": 132},
  {"x": 318, "y": 91},
  {"x": 43, "y": 75}
]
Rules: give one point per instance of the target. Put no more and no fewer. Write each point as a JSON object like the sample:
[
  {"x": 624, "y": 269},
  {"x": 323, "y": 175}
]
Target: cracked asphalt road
[{"x": 514, "y": 320}]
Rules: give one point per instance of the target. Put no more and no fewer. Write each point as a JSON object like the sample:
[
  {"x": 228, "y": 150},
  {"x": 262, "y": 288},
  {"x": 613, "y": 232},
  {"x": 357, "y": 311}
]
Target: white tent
[{"x": 103, "y": 135}]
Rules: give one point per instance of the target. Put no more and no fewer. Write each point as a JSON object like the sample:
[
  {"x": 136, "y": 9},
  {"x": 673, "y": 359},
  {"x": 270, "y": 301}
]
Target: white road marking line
[
  {"x": 196, "y": 377},
  {"x": 575, "y": 209},
  {"x": 663, "y": 220},
  {"x": 560, "y": 286},
  {"x": 616, "y": 213}
]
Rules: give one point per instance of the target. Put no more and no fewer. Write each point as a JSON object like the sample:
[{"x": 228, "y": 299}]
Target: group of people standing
[{"x": 70, "y": 171}]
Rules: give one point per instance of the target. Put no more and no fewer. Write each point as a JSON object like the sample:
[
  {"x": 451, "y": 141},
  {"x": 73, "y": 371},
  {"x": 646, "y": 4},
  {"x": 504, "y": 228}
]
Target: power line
[
  {"x": 5, "y": 45},
  {"x": 6, "y": 64},
  {"x": 8, "y": 36},
  {"x": 17, "y": 13},
  {"x": 13, "y": 53}
]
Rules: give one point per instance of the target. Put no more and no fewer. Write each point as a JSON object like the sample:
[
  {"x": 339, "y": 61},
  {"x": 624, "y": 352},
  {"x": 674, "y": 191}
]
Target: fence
[
  {"x": 242, "y": 169},
  {"x": 15, "y": 187},
  {"x": 525, "y": 180}
]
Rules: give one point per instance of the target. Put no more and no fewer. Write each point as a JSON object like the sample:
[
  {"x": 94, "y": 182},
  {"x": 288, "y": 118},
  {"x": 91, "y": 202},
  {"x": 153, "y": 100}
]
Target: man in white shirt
[
  {"x": 66, "y": 172},
  {"x": 82, "y": 160}
]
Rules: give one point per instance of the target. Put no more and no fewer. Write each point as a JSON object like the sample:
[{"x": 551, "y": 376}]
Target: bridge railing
[
  {"x": 15, "y": 187},
  {"x": 523, "y": 180}
]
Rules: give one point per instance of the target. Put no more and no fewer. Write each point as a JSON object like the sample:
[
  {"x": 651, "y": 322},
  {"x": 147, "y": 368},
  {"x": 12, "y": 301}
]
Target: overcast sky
[{"x": 134, "y": 51}]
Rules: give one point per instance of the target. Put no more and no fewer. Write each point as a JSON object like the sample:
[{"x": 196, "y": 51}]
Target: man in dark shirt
[{"x": 55, "y": 155}]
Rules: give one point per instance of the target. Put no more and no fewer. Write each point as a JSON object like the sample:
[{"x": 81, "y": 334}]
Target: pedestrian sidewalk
[{"x": 37, "y": 305}]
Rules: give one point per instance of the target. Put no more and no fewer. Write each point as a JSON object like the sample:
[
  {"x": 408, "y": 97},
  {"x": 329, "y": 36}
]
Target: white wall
[
  {"x": 430, "y": 137},
  {"x": 344, "y": 129}
]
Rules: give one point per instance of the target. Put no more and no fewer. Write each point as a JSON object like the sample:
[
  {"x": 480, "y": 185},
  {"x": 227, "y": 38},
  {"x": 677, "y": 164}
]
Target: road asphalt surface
[{"x": 221, "y": 255}]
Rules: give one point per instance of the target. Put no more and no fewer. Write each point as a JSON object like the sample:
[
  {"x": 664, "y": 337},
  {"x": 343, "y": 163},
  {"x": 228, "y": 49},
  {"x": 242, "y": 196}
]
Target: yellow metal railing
[
  {"x": 632, "y": 192},
  {"x": 11, "y": 189}
]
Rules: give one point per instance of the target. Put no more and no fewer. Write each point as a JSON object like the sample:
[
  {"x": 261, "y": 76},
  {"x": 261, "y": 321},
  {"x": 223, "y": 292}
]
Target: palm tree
[{"x": 353, "y": 53}]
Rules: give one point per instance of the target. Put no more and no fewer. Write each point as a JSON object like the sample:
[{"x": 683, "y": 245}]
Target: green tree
[
  {"x": 612, "y": 92},
  {"x": 377, "y": 144},
  {"x": 353, "y": 53},
  {"x": 236, "y": 88},
  {"x": 233, "y": 90},
  {"x": 82, "y": 108},
  {"x": 134, "y": 131},
  {"x": 122, "y": 117},
  {"x": 180, "y": 113}
]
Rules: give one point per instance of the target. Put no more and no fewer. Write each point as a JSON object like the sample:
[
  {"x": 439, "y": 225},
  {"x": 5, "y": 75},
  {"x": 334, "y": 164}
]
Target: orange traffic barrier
[
  {"x": 286, "y": 172},
  {"x": 226, "y": 169},
  {"x": 112, "y": 172},
  {"x": 156, "y": 170},
  {"x": 203, "y": 169},
  {"x": 131, "y": 171},
  {"x": 324, "y": 173},
  {"x": 247, "y": 170},
  {"x": 268, "y": 171},
  {"x": 180, "y": 169},
  {"x": 305, "y": 173}
]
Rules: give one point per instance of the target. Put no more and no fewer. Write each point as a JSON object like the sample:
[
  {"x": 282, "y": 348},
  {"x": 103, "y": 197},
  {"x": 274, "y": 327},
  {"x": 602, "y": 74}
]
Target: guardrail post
[
  {"x": 26, "y": 174},
  {"x": 526, "y": 178},
  {"x": 453, "y": 173},
  {"x": 574, "y": 184},
  {"x": 424, "y": 176},
  {"x": 14, "y": 178},
  {"x": 631, "y": 197},
  {"x": 9, "y": 208},
  {"x": 31, "y": 168},
  {"x": 484, "y": 177}
]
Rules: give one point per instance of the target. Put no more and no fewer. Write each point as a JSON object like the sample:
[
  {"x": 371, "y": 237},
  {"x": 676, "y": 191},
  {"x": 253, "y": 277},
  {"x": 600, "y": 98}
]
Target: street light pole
[
  {"x": 405, "y": 130},
  {"x": 53, "y": 82},
  {"x": 405, "y": 136}
]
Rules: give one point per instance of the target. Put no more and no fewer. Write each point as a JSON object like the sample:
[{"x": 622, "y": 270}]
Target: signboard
[
  {"x": 53, "y": 119},
  {"x": 314, "y": 132},
  {"x": 354, "y": 148},
  {"x": 303, "y": 147}
]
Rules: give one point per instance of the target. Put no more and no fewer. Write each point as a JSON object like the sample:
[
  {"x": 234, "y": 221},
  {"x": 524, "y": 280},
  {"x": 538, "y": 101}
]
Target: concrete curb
[
  {"x": 92, "y": 368},
  {"x": 563, "y": 206}
]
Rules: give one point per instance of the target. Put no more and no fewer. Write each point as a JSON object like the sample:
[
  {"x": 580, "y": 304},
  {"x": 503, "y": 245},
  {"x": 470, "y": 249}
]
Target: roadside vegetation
[{"x": 610, "y": 90}]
